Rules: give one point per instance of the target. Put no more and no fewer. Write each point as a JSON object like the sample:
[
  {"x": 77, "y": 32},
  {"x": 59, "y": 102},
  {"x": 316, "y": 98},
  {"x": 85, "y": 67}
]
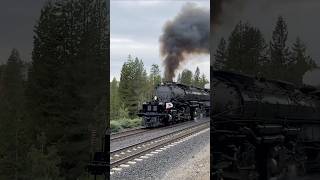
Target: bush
[
  {"x": 115, "y": 126},
  {"x": 119, "y": 124}
]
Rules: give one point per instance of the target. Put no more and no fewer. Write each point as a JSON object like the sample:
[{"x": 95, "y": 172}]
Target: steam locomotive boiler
[
  {"x": 263, "y": 129},
  {"x": 173, "y": 103}
]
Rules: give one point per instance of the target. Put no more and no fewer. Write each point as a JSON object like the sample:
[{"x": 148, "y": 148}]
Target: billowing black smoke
[
  {"x": 218, "y": 11},
  {"x": 188, "y": 33},
  {"x": 312, "y": 77}
]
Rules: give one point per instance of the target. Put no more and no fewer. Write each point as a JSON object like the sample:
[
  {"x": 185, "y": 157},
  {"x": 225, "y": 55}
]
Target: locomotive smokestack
[{"x": 187, "y": 33}]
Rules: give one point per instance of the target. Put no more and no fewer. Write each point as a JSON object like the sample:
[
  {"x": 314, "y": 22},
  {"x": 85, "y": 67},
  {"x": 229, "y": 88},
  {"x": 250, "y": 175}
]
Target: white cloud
[
  {"x": 120, "y": 40},
  {"x": 130, "y": 44},
  {"x": 120, "y": 48}
]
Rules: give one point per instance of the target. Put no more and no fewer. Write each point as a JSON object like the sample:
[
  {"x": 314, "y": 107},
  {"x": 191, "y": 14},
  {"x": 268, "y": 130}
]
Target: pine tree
[
  {"x": 12, "y": 129},
  {"x": 132, "y": 86},
  {"x": 68, "y": 78},
  {"x": 114, "y": 99},
  {"x": 220, "y": 55},
  {"x": 246, "y": 50},
  {"x": 186, "y": 77},
  {"x": 2, "y": 66},
  {"x": 153, "y": 80},
  {"x": 203, "y": 81},
  {"x": 155, "y": 75},
  {"x": 279, "y": 52},
  {"x": 196, "y": 78},
  {"x": 301, "y": 62},
  {"x": 179, "y": 78},
  {"x": 43, "y": 161}
]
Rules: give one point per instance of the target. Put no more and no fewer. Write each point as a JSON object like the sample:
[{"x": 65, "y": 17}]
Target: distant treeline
[
  {"x": 247, "y": 51},
  {"x": 50, "y": 107},
  {"x": 137, "y": 86}
]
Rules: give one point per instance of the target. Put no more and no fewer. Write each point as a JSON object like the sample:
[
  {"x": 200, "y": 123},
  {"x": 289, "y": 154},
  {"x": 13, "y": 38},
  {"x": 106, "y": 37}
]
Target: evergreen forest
[
  {"x": 51, "y": 106},
  {"x": 247, "y": 51}
]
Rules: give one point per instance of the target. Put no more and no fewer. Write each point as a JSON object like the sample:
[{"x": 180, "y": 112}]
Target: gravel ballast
[
  {"x": 150, "y": 135},
  {"x": 185, "y": 160}
]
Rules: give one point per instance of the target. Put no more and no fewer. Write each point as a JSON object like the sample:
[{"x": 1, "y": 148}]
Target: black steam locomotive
[
  {"x": 263, "y": 129},
  {"x": 173, "y": 103}
]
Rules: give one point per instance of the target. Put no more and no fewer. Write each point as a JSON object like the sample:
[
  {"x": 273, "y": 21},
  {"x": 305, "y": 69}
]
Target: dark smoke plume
[
  {"x": 218, "y": 10},
  {"x": 224, "y": 11},
  {"x": 188, "y": 33},
  {"x": 312, "y": 77}
]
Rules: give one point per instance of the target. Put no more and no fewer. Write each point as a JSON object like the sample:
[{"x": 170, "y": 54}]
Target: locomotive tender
[
  {"x": 173, "y": 103},
  {"x": 263, "y": 129}
]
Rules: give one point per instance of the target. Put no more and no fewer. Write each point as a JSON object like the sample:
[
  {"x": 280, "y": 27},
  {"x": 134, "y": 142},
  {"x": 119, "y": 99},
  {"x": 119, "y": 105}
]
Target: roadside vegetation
[{"x": 120, "y": 124}]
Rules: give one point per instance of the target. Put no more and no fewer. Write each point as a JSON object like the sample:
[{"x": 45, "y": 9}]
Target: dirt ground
[{"x": 196, "y": 168}]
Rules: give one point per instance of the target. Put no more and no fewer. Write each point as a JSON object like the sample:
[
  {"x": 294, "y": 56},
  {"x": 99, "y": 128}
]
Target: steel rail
[
  {"x": 124, "y": 134},
  {"x": 123, "y": 155},
  {"x": 132, "y": 132}
]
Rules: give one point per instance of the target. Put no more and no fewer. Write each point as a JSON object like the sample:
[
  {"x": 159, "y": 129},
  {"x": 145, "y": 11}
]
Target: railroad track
[
  {"x": 132, "y": 132},
  {"x": 122, "y": 156}
]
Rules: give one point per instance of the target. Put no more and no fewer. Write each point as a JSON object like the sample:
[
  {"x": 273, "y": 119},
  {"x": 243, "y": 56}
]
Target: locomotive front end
[
  {"x": 154, "y": 114},
  {"x": 174, "y": 103}
]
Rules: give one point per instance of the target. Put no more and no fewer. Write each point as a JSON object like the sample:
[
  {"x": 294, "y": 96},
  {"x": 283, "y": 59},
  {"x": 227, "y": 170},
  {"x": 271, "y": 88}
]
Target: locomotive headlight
[{"x": 169, "y": 105}]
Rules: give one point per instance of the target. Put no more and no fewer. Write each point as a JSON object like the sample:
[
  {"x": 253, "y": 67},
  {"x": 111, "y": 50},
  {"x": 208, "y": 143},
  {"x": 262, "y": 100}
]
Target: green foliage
[
  {"x": 279, "y": 52},
  {"x": 64, "y": 96},
  {"x": 119, "y": 124},
  {"x": 43, "y": 161},
  {"x": 155, "y": 76},
  {"x": 196, "y": 78},
  {"x": 203, "y": 81},
  {"x": 132, "y": 86},
  {"x": 12, "y": 129},
  {"x": 114, "y": 99},
  {"x": 246, "y": 52},
  {"x": 123, "y": 112},
  {"x": 186, "y": 77},
  {"x": 220, "y": 55},
  {"x": 246, "y": 49},
  {"x": 66, "y": 87},
  {"x": 115, "y": 125},
  {"x": 300, "y": 61}
]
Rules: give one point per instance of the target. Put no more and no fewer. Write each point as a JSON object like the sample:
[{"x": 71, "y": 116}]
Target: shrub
[
  {"x": 119, "y": 124},
  {"x": 115, "y": 126}
]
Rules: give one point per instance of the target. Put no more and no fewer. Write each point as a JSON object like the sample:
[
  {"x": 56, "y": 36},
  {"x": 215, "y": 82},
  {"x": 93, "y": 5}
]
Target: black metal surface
[
  {"x": 260, "y": 127},
  {"x": 186, "y": 102}
]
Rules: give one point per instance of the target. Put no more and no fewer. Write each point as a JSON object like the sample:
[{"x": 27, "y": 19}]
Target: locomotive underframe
[
  {"x": 180, "y": 113},
  {"x": 263, "y": 151}
]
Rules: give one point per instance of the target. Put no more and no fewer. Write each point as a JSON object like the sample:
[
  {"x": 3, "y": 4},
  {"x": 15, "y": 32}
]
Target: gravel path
[
  {"x": 189, "y": 152},
  {"x": 196, "y": 168},
  {"x": 149, "y": 135}
]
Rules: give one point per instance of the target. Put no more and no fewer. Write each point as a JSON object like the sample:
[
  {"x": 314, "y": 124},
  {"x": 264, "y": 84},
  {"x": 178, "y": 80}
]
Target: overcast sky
[
  {"x": 136, "y": 27},
  {"x": 302, "y": 17},
  {"x": 17, "y": 20}
]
